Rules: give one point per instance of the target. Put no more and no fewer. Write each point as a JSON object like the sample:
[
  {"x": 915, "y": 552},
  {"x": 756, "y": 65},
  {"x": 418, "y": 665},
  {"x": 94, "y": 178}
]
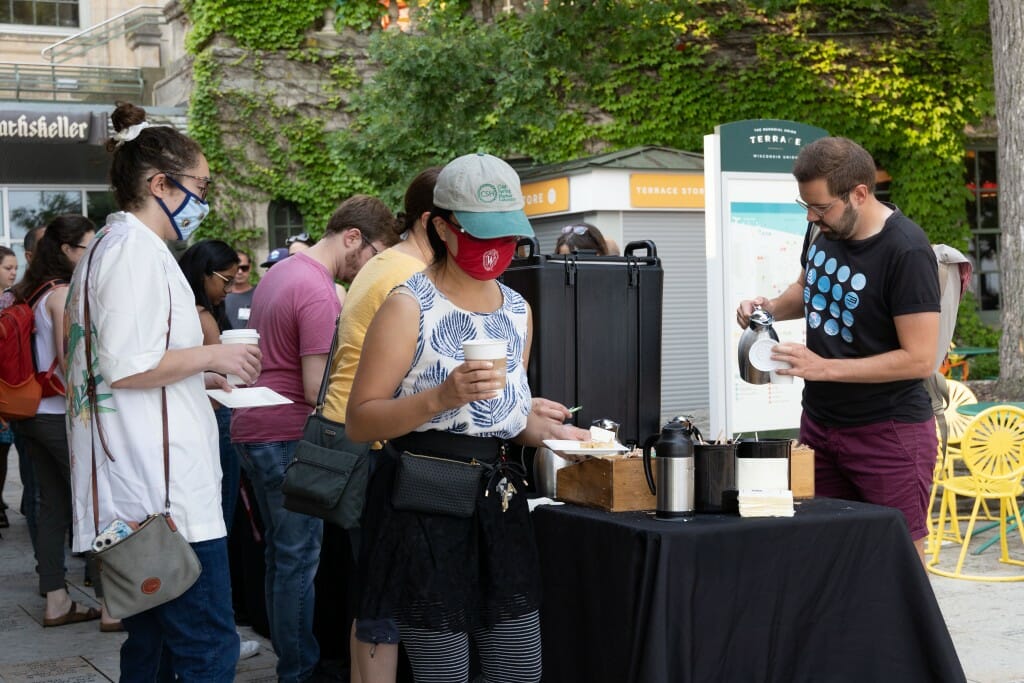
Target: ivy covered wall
[{"x": 564, "y": 79}]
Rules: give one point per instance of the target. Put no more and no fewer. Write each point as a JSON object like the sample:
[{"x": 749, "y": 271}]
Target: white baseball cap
[{"x": 484, "y": 194}]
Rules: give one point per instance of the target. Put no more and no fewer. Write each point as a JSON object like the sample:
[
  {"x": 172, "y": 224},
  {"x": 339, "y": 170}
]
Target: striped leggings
[{"x": 509, "y": 652}]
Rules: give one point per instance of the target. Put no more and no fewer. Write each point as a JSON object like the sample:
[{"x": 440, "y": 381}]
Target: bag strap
[
  {"x": 94, "y": 409},
  {"x": 42, "y": 289},
  {"x": 322, "y": 394}
]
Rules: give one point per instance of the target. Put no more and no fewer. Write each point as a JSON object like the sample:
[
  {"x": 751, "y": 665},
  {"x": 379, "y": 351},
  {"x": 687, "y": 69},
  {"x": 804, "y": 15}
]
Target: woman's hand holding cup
[{"x": 244, "y": 356}]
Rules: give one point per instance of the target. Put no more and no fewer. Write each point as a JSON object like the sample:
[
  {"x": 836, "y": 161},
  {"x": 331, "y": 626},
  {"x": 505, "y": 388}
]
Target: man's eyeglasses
[
  {"x": 818, "y": 208},
  {"x": 204, "y": 181},
  {"x": 301, "y": 237},
  {"x": 368, "y": 243},
  {"x": 577, "y": 229}
]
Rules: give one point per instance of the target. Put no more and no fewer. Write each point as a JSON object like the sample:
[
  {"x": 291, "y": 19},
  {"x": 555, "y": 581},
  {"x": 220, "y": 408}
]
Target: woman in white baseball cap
[{"x": 447, "y": 577}]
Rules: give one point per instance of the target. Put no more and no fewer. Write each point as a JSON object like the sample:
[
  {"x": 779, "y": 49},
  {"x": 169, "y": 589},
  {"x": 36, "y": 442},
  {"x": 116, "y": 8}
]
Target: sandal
[
  {"x": 111, "y": 627},
  {"x": 73, "y": 616}
]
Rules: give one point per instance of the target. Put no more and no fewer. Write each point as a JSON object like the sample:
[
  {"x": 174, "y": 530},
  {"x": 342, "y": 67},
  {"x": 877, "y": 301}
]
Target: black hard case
[{"x": 596, "y": 333}]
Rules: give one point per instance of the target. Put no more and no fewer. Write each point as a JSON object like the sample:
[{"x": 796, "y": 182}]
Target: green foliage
[
  {"x": 262, "y": 24},
  {"x": 567, "y": 79},
  {"x": 971, "y": 331}
]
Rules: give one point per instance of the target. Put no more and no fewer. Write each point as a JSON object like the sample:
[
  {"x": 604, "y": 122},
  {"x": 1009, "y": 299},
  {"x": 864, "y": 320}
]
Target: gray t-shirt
[{"x": 238, "y": 306}]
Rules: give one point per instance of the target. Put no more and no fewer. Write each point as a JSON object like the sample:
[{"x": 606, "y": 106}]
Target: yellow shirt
[{"x": 371, "y": 286}]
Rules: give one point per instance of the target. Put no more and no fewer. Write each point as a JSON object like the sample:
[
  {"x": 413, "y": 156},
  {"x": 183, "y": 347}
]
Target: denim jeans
[
  {"x": 197, "y": 628},
  {"x": 231, "y": 476},
  {"x": 292, "y": 555}
]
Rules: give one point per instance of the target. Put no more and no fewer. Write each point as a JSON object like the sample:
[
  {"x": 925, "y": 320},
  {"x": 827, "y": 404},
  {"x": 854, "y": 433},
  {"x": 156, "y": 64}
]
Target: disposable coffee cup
[
  {"x": 239, "y": 337},
  {"x": 488, "y": 349}
]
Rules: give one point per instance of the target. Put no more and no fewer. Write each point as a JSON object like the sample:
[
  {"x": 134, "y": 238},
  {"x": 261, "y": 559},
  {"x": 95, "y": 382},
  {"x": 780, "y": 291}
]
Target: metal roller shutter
[{"x": 679, "y": 238}]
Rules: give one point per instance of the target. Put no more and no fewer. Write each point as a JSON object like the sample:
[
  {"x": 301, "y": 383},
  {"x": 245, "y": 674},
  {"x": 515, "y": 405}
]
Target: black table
[{"x": 836, "y": 593}]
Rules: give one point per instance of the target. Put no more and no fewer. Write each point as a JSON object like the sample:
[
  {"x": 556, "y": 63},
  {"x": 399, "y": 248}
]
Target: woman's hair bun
[{"x": 126, "y": 114}]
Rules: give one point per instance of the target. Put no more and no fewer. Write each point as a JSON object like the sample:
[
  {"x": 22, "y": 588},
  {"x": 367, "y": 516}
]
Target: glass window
[
  {"x": 30, "y": 208},
  {"x": 99, "y": 205},
  {"x": 40, "y": 12},
  {"x": 983, "y": 218},
  {"x": 284, "y": 220}
]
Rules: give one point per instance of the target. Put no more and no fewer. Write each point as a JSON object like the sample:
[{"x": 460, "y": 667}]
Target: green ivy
[{"x": 567, "y": 79}]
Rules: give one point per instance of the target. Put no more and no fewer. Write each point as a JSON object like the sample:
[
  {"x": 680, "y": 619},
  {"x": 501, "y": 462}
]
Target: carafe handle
[{"x": 651, "y": 440}]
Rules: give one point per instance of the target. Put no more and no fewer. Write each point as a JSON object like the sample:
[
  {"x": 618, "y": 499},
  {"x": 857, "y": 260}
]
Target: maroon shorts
[{"x": 886, "y": 463}]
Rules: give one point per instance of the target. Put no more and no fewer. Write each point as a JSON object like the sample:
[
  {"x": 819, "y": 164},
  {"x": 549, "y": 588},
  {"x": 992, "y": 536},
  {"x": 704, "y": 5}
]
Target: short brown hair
[
  {"x": 367, "y": 214},
  {"x": 841, "y": 162}
]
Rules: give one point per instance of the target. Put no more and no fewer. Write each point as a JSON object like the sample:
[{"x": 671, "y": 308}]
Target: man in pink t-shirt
[{"x": 294, "y": 309}]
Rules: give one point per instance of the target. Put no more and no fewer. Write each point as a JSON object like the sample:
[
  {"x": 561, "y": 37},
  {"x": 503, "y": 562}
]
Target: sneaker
[{"x": 247, "y": 649}]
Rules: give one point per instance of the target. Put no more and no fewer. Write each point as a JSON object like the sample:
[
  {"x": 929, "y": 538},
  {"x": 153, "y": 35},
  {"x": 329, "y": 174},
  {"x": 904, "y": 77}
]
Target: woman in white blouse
[{"x": 147, "y": 342}]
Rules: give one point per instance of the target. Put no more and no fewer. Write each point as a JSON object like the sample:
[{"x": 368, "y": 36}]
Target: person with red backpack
[
  {"x": 44, "y": 289},
  {"x": 8, "y": 276}
]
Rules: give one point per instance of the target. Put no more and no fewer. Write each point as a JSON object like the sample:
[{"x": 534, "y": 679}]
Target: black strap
[
  {"x": 326, "y": 379},
  {"x": 94, "y": 408}
]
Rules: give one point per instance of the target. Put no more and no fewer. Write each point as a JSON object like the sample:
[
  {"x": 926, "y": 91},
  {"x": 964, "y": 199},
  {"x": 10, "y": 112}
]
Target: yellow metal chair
[
  {"x": 992, "y": 448},
  {"x": 956, "y": 424}
]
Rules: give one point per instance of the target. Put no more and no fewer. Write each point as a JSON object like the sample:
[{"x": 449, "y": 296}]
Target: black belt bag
[{"x": 438, "y": 486}]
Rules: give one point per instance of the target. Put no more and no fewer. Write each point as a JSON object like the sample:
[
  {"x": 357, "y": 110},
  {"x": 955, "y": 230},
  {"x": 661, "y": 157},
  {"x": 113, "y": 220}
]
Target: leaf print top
[{"x": 442, "y": 329}]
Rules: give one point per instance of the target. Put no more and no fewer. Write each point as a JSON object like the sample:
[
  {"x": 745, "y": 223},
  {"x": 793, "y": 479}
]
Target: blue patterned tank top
[{"x": 442, "y": 329}]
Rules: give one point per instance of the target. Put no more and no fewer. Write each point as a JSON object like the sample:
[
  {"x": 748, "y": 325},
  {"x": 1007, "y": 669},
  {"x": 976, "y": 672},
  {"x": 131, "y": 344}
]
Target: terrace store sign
[{"x": 23, "y": 126}]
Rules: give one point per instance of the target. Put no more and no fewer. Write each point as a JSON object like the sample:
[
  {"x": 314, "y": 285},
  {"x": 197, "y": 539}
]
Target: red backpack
[{"x": 21, "y": 385}]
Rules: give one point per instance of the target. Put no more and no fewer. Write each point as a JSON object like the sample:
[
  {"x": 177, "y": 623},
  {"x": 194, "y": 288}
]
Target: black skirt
[{"x": 440, "y": 572}]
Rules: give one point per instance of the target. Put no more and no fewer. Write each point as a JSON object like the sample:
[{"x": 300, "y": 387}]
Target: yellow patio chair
[
  {"x": 959, "y": 395},
  {"x": 992, "y": 448}
]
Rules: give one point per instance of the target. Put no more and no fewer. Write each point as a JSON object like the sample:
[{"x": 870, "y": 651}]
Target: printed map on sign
[{"x": 765, "y": 238}]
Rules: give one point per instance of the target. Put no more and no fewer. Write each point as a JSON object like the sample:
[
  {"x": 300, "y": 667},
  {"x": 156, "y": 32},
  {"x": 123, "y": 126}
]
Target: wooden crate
[
  {"x": 801, "y": 471},
  {"x": 613, "y": 483}
]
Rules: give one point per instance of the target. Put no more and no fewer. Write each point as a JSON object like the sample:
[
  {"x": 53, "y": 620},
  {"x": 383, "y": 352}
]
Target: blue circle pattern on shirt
[{"x": 841, "y": 317}]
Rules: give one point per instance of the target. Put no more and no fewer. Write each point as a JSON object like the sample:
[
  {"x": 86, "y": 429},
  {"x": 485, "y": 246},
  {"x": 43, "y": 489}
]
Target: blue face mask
[{"x": 186, "y": 219}]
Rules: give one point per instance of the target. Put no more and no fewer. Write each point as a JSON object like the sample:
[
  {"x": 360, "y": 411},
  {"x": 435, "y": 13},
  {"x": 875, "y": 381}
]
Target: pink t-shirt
[{"x": 294, "y": 309}]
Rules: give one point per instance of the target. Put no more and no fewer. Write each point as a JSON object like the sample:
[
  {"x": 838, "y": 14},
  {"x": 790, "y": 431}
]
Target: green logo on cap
[{"x": 487, "y": 193}]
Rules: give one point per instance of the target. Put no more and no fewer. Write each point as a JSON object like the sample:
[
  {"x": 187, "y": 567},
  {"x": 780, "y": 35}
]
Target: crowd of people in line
[{"x": 427, "y": 282}]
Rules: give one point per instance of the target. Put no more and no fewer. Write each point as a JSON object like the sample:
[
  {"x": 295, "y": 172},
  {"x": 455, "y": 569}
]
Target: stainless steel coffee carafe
[
  {"x": 673, "y": 450},
  {"x": 760, "y": 327}
]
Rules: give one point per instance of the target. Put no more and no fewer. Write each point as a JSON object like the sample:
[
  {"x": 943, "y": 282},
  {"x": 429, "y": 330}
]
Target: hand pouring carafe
[
  {"x": 674, "y": 460},
  {"x": 760, "y": 327}
]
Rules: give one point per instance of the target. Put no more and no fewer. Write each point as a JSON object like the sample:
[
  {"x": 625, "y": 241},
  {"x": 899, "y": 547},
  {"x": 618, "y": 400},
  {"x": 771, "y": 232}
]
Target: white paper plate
[
  {"x": 574, "y": 448},
  {"x": 761, "y": 356},
  {"x": 248, "y": 397}
]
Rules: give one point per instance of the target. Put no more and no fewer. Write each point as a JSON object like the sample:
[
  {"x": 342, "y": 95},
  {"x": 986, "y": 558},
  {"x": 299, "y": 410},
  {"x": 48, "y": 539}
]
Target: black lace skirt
[{"x": 440, "y": 572}]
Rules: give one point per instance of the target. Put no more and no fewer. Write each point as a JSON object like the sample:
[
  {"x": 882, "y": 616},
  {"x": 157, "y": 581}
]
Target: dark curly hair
[
  {"x": 157, "y": 148},
  {"x": 48, "y": 260},
  {"x": 199, "y": 262}
]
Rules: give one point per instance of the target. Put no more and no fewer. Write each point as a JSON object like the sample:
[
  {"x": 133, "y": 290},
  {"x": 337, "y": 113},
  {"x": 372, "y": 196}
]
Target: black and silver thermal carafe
[
  {"x": 760, "y": 327},
  {"x": 673, "y": 450}
]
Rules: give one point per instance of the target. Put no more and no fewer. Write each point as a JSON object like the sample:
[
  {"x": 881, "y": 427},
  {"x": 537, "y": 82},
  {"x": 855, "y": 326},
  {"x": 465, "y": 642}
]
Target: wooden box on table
[{"x": 614, "y": 483}]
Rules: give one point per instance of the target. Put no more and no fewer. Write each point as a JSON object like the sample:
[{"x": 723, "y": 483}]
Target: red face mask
[{"x": 482, "y": 259}]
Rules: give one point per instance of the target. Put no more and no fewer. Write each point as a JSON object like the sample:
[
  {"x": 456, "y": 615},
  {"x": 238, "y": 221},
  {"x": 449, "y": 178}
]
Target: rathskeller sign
[{"x": 24, "y": 126}]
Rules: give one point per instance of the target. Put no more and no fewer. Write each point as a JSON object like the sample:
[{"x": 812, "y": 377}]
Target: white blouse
[{"x": 134, "y": 282}]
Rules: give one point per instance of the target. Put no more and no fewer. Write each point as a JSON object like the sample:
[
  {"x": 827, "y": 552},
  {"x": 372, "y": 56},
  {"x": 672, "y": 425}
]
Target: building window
[
  {"x": 63, "y": 13},
  {"x": 983, "y": 218},
  {"x": 284, "y": 220}
]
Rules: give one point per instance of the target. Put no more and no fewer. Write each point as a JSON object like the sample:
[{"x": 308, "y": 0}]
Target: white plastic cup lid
[
  {"x": 239, "y": 336},
  {"x": 484, "y": 349}
]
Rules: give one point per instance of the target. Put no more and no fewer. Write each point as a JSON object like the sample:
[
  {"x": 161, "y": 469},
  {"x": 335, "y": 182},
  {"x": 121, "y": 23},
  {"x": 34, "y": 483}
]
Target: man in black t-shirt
[{"x": 869, "y": 294}]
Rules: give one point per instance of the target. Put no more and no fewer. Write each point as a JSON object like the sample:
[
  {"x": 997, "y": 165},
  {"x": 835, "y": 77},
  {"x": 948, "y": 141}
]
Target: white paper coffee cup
[
  {"x": 488, "y": 349},
  {"x": 245, "y": 336}
]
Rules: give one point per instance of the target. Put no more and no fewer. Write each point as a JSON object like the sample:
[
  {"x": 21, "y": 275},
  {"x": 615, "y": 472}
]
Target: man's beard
[{"x": 842, "y": 229}]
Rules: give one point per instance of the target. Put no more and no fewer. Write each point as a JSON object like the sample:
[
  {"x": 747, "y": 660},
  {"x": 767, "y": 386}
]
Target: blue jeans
[
  {"x": 292, "y": 555},
  {"x": 231, "y": 478},
  {"x": 197, "y": 628}
]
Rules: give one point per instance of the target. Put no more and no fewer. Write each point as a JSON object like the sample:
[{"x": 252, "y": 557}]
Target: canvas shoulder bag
[
  {"x": 328, "y": 473},
  {"x": 154, "y": 564}
]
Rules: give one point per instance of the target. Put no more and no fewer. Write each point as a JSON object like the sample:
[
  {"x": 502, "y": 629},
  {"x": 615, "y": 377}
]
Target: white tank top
[
  {"x": 443, "y": 328},
  {"x": 45, "y": 353}
]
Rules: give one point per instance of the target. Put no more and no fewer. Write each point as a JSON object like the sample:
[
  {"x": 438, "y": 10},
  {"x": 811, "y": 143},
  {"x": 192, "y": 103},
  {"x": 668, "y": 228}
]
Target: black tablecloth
[{"x": 836, "y": 593}]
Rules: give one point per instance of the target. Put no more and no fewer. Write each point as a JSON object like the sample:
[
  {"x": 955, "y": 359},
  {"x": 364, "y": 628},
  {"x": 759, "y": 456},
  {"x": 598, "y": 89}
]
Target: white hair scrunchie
[{"x": 130, "y": 133}]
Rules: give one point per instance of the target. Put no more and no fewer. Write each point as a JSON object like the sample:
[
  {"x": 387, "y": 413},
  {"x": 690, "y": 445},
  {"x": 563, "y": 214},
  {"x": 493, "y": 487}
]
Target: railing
[
  {"x": 125, "y": 23},
  {"x": 36, "y": 82}
]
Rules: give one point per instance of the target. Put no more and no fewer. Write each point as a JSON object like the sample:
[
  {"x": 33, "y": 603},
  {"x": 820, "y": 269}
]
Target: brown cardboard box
[
  {"x": 801, "y": 471},
  {"x": 614, "y": 483}
]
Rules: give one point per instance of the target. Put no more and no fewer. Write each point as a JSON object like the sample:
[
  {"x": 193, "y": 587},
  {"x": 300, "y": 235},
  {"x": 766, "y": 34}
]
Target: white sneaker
[{"x": 247, "y": 649}]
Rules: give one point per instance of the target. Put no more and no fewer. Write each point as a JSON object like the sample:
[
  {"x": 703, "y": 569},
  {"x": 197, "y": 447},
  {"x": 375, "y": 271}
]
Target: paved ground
[{"x": 986, "y": 620}]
